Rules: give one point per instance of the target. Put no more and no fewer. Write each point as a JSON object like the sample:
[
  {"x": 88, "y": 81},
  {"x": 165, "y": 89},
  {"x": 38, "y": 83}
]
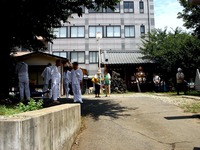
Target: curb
[
  {"x": 192, "y": 97},
  {"x": 184, "y": 96}
]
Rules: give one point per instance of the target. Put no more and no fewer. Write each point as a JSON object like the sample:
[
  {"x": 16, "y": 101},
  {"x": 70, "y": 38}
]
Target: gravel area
[
  {"x": 167, "y": 98},
  {"x": 173, "y": 99}
]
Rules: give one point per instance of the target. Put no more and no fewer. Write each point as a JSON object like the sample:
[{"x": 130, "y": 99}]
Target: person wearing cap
[
  {"x": 76, "y": 80},
  {"x": 180, "y": 81},
  {"x": 157, "y": 82},
  {"x": 97, "y": 78}
]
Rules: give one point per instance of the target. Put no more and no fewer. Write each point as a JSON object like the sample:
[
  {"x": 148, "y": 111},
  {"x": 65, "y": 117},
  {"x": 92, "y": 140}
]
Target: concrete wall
[{"x": 53, "y": 128}]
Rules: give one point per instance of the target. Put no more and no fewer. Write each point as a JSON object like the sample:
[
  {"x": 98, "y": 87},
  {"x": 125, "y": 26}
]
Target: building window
[
  {"x": 94, "y": 29},
  {"x": 77, "y": 32},
  {"x": 129, "y": 31},
  {"x": 61, "y": 54},
  {"x": 113, "y": 31},
  {"x": 94, "y": 57},
  {"x": 116, "y": 10},
  {"x": 141, "y": 6},
  {"x": 60, "y": 32},
  {"x": 78, "y": 57},
  {"x": 142, "y": 30},
  {"x": 100, "y": 10},
  {"x": 128, "y": 6}
]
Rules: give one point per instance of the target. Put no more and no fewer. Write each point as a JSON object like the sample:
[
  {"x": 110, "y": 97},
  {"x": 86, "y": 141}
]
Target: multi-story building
[{"x": 121, "y": 30}]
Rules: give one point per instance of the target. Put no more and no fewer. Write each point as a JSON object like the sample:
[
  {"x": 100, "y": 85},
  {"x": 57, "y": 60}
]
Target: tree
[
  {"x": 172, "y": 50},
  {"x": 190, "y": 16},
  {"x": 22, "y": 21}
]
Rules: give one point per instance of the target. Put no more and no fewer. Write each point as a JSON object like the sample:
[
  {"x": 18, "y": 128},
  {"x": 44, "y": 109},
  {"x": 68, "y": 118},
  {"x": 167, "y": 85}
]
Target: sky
[{"x": 166, "y": 14}]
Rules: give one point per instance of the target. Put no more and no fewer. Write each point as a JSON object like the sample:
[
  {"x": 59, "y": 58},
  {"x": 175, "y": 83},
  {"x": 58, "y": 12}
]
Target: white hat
[
  {"x": 179, "y": 69},
  {"x": 99, "y": 71}
]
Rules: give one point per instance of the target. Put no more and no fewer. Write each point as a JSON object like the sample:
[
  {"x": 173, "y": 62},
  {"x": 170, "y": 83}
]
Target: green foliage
[
  {"x": 8, "y": 110},
  {"x": 26, "y": 20},
  {"x": 13, "y": 109},
  {"x": 172, "y": 50},
  {"x": 32, "y": 105},
  {"x": 190, "y": 16},
  {"x": 34, "y": 18},
  {"x": 194, "y": 93}
]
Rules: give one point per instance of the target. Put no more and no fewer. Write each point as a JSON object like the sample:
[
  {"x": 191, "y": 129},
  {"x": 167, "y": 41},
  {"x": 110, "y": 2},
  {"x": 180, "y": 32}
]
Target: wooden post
[{"x": 104, "y": 66}]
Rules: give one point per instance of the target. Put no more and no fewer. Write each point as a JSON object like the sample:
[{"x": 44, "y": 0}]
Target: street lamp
[{"x": 98, "y": 37}]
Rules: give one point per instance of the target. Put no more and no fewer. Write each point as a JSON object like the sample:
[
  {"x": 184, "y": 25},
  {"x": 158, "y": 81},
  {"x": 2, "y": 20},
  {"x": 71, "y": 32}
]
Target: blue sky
[{"x": 166, "y": 14}]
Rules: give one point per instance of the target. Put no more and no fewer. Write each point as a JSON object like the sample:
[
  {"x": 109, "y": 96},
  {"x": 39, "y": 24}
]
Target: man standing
[
  {"x": 140, "y": 77},
  {"x": 180, "y": 81},
  {"x": 46, "y": 75},
  {"x": 22, "y": 72},
  {"x": 55, "y": 79},
  {"x": 157, "y": 82},
  {"x": 107, "y": 82},
  {"x": 76, "y": 80},
  {"x": 66, "y": 80},
  {"x": 98, "y": 80}
]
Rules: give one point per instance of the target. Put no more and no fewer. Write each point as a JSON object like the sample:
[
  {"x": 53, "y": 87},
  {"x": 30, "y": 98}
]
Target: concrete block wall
[{"x": 53, "y": 128}]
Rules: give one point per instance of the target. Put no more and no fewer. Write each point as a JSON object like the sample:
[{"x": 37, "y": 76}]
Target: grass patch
[
  {"x": 194, "y": 93},
  {"x": 191, "y": 107},
  {"x": 189, "y": 93},
  {"x": 9, "y": 110}
]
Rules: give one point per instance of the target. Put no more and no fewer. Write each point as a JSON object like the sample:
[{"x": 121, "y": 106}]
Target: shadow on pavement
[
  {"x": 95, "y": 107},
  {"x": 183, "y": 117},
  {"x": 99, "y": 107},
  {"x": 196, "y": 148}
]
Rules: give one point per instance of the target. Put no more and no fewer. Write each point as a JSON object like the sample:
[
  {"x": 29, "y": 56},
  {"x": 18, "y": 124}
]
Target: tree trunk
[{"x": 5, "y": 61}]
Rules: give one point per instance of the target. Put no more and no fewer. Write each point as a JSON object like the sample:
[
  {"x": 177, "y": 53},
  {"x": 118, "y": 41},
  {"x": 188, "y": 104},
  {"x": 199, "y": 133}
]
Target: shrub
[{"x": 32, "y": 105}]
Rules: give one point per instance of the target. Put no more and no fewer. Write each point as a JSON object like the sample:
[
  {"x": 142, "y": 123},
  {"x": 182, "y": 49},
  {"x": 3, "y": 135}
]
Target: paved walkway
[{"x": 136, "y": 122}]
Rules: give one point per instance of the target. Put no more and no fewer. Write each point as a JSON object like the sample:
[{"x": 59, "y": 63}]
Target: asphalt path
[{"x": 136, "y": 122}]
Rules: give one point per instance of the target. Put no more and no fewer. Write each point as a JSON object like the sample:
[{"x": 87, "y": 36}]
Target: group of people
[
  {"x": 102, "y": 81},
  {"x": 73, "y": 79},
  {"x": 72, "y": 75},
  {"x": 181, "y": 83}
]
